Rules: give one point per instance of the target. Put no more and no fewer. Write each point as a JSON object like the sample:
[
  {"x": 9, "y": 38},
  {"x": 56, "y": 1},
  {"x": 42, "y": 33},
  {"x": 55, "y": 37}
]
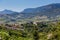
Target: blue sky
[{"x": 19, "y": 5}]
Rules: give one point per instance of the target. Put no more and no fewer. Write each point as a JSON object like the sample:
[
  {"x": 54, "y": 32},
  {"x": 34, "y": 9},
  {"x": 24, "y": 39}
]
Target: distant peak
[{"x": 7, "y": 10}]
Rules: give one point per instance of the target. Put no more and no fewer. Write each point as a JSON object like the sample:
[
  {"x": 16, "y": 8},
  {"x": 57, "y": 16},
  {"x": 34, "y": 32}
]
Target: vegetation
[{"x": 41, "y": 31}]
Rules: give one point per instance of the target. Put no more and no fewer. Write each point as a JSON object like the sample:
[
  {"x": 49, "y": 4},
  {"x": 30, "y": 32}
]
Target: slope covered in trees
[{"x": 41, "y": 31}]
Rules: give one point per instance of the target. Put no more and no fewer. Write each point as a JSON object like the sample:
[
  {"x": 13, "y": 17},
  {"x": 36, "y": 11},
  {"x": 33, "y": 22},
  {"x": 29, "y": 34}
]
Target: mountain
[
  {"x": 48, "y": 10},
  {"x": 43, "y": 13},
  {"x": 8, "y": 16},
  {"x": 42, "y": 8},
  {"x": 6, "y": 11}
]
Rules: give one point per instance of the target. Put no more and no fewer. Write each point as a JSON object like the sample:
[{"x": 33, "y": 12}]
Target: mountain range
[{"x": 43, "y": 13}]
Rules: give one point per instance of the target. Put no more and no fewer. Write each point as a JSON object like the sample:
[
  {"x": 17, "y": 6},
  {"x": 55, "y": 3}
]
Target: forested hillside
[{"x": 30, "y": 31}]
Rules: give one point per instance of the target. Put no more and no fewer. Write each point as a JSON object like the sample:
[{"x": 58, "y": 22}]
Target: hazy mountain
[
  {"x": 47, "y": 12},
  {"x": 6, "y": 11}
]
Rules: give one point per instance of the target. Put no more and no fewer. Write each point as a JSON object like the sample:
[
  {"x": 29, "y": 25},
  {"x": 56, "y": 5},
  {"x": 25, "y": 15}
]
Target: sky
[{"x": 20, "y": 5}]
